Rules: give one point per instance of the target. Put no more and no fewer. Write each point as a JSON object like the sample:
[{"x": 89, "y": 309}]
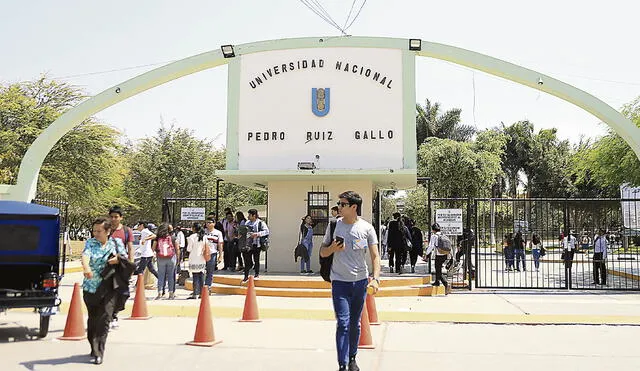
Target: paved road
[{"x": 278, "y": 344}]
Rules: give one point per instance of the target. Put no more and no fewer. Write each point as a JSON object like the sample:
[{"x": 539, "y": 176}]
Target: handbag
[{"x": 543, "y": 251}]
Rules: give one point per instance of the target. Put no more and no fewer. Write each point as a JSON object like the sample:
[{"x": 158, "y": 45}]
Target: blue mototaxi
[{"x": 29, "y": 259}]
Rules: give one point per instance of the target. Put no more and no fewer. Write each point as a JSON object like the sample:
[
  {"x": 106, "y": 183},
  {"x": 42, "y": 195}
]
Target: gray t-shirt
[{"x": 350, "y": 265}]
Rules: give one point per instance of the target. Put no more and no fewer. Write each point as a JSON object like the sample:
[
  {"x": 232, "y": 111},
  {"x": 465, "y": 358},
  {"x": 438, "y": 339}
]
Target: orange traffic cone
[
  {"x": 139, "y": 310},
  {"x": 204, "y": 336},
  {"x": 250, "y": 313},
  {"x": 365, "y": 342},
  {"x": 74, "y": 329},
  {"x": 371, "y": 309}
]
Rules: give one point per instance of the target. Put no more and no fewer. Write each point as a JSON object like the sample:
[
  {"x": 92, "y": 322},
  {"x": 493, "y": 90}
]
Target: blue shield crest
[{"x": 320, "y": 101}]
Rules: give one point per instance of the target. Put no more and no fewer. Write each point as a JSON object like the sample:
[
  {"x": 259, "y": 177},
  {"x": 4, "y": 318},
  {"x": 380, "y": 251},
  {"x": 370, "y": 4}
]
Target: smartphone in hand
[{"x": 339, "y": 240}]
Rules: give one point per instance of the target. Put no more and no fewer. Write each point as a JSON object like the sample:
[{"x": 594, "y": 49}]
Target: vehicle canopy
[{"x": 29, "y": 242}]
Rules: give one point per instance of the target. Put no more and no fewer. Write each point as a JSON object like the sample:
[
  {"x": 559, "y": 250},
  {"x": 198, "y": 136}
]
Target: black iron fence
[{"x": 502, "y": 263}]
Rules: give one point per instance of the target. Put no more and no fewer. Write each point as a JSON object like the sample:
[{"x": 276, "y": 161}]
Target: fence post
[
  {"x": 468, "y": 245},
  {"x": 567, "y": 270}
]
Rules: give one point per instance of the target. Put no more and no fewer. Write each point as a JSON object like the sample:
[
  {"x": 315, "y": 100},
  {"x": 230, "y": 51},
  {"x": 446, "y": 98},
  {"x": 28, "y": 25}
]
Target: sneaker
[
  {"x": 192, "y": 296},
  {"x": 342, "y": 368},
  {"x": 245, "y": 280},
  {"x": 159, "y": 296},
  {"x": 114, "y": 325},
  {"x": 256, "y": 276},
  {"x": 172, "y": 296},
  {"x": 303, "y": 272},
  {"x": 353, "y": 366},
  {"x": 310, "y": 271}
]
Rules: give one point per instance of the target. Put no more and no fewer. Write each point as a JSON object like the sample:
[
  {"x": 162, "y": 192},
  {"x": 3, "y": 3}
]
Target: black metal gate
[
  {"x": 499, "y": 266},
  {"x": 461, "y": 270}
]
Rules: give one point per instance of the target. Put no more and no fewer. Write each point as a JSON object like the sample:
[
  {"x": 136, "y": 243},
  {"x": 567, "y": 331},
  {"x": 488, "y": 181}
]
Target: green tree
[
  {"x": 462, "y": 169},
  {"x": 517, "y": 153},
  {"x": 606, "y": 163},
  {"x": 430, "y": 122},
  {"x": 81, "y": 168},
  {"x": 548, "y": 170}
]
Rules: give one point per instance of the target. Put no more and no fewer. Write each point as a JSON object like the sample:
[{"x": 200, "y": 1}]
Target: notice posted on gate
[
  {"x": 450, "y": 221},
  {"x": 192, "y": 213}
]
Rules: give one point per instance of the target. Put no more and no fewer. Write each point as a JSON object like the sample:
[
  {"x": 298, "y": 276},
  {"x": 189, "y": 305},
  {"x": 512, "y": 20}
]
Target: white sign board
[
  {"x": 192, "y": 213},
  {"x": 339, "y": 108},
  {"x": 630, "y": 212},
  {"x": 450, "y": 221}
]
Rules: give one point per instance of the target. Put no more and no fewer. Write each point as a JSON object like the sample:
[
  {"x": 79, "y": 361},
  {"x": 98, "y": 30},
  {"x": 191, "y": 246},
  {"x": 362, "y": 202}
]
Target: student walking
[
  {"x": 240, "y": 239},
  {"x": 600, "y": 259},
  {"x": 441, "y": 256},
  {"x": 519, "y": 242},
  {"x": 125, "y": 234},
  {"x": 536, "y": 250},
  {"x": 215, "y": 243},
  {"x": 198, "y": 254},
  {"x": 351, "y": 239},
  {"x": 257, "y": 232},
  {"x": 165, "y": 248},
  {"x": 100, "y": 296},
  {"x": 146, "y": 252},
  {"x": 306, "y": 239}
]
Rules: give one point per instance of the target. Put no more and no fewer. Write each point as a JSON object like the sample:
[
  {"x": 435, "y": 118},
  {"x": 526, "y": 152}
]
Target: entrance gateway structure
[{"x": 309, "y": 118}]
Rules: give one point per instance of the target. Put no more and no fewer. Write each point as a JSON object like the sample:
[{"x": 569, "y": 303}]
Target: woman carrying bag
[
  {"x": 306, "y": 239},
  {"x": 99, "y": 294}
]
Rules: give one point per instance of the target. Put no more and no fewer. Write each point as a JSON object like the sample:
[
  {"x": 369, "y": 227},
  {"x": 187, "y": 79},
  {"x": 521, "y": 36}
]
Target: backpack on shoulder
[
  {"x": 327, "y": 262},
  {"x": 444, "y": 244},
  {"x": 165, "y": 247}
]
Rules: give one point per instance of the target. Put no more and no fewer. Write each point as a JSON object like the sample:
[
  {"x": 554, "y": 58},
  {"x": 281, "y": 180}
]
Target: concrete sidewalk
[{"x": 477, "y": 306}]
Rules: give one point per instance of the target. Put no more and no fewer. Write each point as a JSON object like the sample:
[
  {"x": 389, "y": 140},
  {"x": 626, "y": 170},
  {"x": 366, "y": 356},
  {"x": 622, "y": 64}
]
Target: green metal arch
[{"x": 25, "y": 189}]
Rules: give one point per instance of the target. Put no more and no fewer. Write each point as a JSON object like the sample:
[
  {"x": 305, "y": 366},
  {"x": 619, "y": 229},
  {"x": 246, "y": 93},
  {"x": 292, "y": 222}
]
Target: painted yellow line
[
  {"x": 624, "y": 274},
  {"x": 392, "y": 316}
]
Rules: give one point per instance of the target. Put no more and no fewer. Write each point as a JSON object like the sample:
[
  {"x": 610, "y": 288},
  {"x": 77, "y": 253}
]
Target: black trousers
[
  {"x": 391, "y": 253},
  {"x": 413, "y": 256},
  {"x": 122, "y": 296},
  {"x": 237, "y": 255},
  {"x": 229, "y": 255},
  {"x": 253, "y": 254},
  {"x": 401, "y": 258},
  {"x": 440, "y": 259},
  {"x": 146, "y": 263},
  {"x": 100, "y": 312},
  {"x": 568, "y": 263},
  {"x": 599, "y": 269}
]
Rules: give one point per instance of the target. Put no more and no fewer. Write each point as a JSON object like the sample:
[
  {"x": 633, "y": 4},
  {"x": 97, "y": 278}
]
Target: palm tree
[{"x": 431, "y": 123}]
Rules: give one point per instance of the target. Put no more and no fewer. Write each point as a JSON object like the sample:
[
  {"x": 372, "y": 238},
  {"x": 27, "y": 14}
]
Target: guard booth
[
  {"x": 308, "y": 123},
  {"x": 29, "y": 258}
]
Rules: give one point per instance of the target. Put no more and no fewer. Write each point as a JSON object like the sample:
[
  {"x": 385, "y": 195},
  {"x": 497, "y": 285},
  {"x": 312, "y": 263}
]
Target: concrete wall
[{"x": 288, "y": 204}]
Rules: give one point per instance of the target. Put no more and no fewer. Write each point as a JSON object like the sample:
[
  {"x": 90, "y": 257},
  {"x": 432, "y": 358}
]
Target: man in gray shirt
[{"x": 352, "y": 237}]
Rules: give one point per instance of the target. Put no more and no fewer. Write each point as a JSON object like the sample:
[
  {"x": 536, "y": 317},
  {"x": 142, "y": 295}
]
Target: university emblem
[{"x": 320, "y": 101}]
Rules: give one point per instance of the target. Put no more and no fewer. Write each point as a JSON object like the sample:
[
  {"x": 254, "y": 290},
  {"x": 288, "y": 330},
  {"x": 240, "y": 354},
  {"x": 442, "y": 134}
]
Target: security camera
[{"x": 540, "y": 82}]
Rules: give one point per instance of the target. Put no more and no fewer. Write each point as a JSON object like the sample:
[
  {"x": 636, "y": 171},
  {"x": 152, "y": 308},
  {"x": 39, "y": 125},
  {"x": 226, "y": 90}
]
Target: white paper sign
[
  {"x": 630, "y": 212},
  {"x": 450, "y": 221},
  {"x": 192, "y": 213}
]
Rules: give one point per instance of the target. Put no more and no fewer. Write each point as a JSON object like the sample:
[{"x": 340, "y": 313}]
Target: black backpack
[{"x": 325, "y": 263}]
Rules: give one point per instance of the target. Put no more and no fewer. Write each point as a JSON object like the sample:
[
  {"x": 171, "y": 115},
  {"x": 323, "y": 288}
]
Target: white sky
[{"x": 589, "y": 44}]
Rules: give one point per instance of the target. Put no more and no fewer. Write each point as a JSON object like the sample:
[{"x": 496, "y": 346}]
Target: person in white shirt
[
  {"x": 215, "y": 241},
  {"x": 600, "y": 258},
  {"x": 197, "y": 264},
  {"x": 569, "y": 244},
  {"x": 441, "y": 257},
  {"x": 146, "y": 253}
]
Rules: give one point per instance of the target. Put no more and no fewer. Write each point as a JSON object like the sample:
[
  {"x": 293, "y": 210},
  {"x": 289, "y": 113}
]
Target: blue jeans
[
  {"x": 167, "y": 273},
  {"x": 536, "y": 257},
  {"x": 212, "y": 265},
  {"x": 197, "y": 283},
  {"x": 348, "y": 300},
  {"x": 308, "y": 262},
  {"x": 520, "y": 256}
]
